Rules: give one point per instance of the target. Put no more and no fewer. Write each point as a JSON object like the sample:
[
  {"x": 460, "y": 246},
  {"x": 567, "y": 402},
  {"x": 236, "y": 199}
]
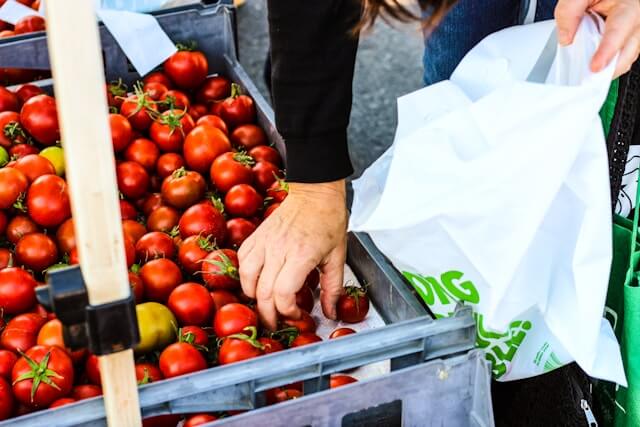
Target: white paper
[
  {"x": 141, "y": 38},
  {"x": 12, "y": 12}
]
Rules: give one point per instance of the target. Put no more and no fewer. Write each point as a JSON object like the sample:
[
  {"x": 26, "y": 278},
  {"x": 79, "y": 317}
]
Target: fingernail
[{"x": 563, "y": 37}]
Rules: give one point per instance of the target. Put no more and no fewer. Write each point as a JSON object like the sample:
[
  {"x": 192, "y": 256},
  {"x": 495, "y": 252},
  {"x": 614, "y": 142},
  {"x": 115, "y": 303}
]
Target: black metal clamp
[{"x": 104, "y": 329}]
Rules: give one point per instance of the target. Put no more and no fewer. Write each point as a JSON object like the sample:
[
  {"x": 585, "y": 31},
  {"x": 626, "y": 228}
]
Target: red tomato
[
  {"x": 220, "y": 270},
  {"x": 73, "y": 257},
  {"x": 181, "y": 358},
  {"x": 271, "y": 345},
  {"x": 222, "y": 297},
  {"x": 238, "y": 229},
  {"x": 13, "y": 183},
  {"x": 235, "y": 349},
  {"x": 54, "y": 366},
  {"x": 160, "y": 277},
  {"x": 66, "y": 236},
  {"x": 341, "y": 332},
  {"x": 243, "y": 200},
  {"x": 151, "y": 203},
  {"x": 248, "y": 136},
  {"x": 192, "y": 251},
  {"x": 313, "y": 279},
  {"x": 36, "y": 251},
  {"x": 237, "y": 109},
  {"x": 338, "y": 380},
  {"x": 134, "y": 229},
  {"x": 170, "y": 128},
  {"x": 231, "y": 169},
  {"x": 281, "y": 394},
  {"x": 147, "y": 373},
  {"x": 29, "y": 24},
  {"x": 191, "y": 304},
  {"x": 265, "y": 174},
  {"x": 304, "y": 324},
  {"x": 187, "y": 69},
  {"x": 10, "y": 130},
  {"x": 133, "y": 180},
  {"x": 7, "y": 360},
  {"x": 6, "y": 260},
  {"x": 305, "y": 338},
  {"x": 17, "y": 290},
  {"x": 215, "y": 121},
  {"x": 194, "y": 335},
  {"x": 28, "y": 91},
  {"x": 137, "y": 287},
  {"x": 144, "y": 152},
  {"x": 304, "y": 299},
  {"x": 39, "y": 117},
  {"x": 21, "y": 332},
  {"x": 158, "y": 77},
  {"x": 138, "y": 109},
  {"x": 203, "y": 219},
  {"x": 155, "y": 90},
  {"x": 8, "y": 100},
  {"x": 264, "y": 153},
  {"x": 61, "y": 402},
  {"x": 272, "y": 207},
  {"x": 3, "y": 222},
  {"x": 18, "y": 151},
  {"x": 169, "y": 163},
  {"x": 278, "y": 191},
  {"x": 48, "y": 201},
  {"x": 20, "y": 225},
  {"x": 86, "y": 391},
  {"x": 92, "y": 369},
  {"x": 163, "y": 219},
  {"x": 233, "y": 319},
  {"x": 121, "y": 132},
  {"x": 203, "y": 144},
  {"x": 129, "y": 250},
  {"x": 353, "y": 305},
  {"x": 213, "y": 89},
  {"x": 162, "y": 421},
  {"x": 175, "y": 99},
  {"x": 116, "y": 91},
  {"x": 197, "y": 111},
  {"x": 183, "y": 188},
  {"x": 127, "y": 211},
  {"x": 155, "y": 244},
  {"x": 199, "y": 419},
  {"x": 6, "y": 399}
]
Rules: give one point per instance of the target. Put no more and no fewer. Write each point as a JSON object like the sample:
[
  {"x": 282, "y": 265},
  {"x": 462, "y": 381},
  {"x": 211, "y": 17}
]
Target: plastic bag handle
[
  {"x": 541, "y": 68},
  {"x": 634, "y": 232},
  {"x": 530, "y": 16}
]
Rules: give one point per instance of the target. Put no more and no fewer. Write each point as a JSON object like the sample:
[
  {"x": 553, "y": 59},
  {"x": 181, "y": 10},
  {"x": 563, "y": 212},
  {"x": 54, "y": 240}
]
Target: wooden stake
[{"x": 76, "y": 62}]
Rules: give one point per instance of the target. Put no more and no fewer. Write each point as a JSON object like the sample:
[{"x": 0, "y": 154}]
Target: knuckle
[{"x": 264, "y": 292}]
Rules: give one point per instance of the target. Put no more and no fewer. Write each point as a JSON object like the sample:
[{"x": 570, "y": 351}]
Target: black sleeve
[{"x": 313, "y": 54}]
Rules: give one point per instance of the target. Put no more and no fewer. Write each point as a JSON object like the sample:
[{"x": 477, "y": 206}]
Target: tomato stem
[
  {"x": 251, "y": 339},
  {"x": 39, "y": 373}
]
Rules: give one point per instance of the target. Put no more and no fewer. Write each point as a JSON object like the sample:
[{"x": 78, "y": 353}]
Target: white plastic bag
[{"x": 496, "y": 193}]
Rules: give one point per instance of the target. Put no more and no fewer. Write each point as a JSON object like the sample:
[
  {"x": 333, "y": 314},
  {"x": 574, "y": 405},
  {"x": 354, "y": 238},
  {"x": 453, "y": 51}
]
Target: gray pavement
[{"x": 389, "y": 64}]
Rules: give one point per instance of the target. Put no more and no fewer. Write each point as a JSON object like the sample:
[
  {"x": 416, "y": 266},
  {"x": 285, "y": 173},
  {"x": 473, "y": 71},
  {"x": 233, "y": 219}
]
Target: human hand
[
  {"x": 621, "y": 33},
  {"x": 307, "y": 230}
]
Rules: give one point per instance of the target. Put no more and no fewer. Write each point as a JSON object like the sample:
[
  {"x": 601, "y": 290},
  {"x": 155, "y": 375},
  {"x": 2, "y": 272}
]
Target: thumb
[
  {"x": 568, "y": 15},
  {"x": 331, "y": 281}
]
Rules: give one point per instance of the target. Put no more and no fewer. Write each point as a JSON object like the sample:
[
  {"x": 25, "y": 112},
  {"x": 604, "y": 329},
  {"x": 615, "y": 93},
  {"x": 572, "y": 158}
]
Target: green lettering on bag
[
  {"x": 464, "y": 291},
  {"x": 450, "y": 289},
  {"x": 421, "y": 286}
]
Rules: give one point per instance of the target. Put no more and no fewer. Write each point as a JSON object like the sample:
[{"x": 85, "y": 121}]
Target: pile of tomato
[{"x": 196, "y": 177}]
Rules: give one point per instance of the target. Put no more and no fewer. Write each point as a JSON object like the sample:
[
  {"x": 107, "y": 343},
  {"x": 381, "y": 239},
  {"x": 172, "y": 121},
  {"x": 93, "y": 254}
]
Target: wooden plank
[{"x": 79, "y": 84}]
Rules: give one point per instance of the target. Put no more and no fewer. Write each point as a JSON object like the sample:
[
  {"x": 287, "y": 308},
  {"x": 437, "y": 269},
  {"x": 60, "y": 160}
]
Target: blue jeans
[{"x": 468, "y": 22}]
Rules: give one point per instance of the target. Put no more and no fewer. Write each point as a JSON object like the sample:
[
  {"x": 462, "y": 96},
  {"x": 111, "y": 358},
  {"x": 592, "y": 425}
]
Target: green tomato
[
  {"x": 4, "y": 157},
  {"x": 56, "y": 156},
  {"x": 157, "y": 326}
]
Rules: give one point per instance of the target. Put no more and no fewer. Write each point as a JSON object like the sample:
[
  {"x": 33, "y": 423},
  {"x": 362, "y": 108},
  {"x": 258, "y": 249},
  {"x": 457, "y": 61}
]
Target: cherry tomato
[
  {"x": 272, "y": 207},
  {"x": 11, "y": 131},
  {"x": 169, "y": 163},
  {"x": 220, "y": 270},
  {"x": 65, "y": 236},
  {"x": 281, "y": 394},
  {"x": 133, "y": 180},
  {"x": 62, "y": 402},
  {"x": 160, "y": 277},
  {"x": 158, "y": 77},
  {"x": 8, "y": 100},
  {"x": 305, "y": 338},
  {"x": 29, "y": 24},
  {"x": 215, "y": 121},
  {"x": 194, "y": 335},
  {"x": 341, "y": 332},
  {"x": 231, "y": 169},
  {"x": 54, "y": 366},
  {"x": 121, "y": 132},
  {"x": 271, "y": 345},
  {"x": 134, "y": 229},
  {"x": 138, "y": 109},
  {"x": 203, "y": 144},
  {"x": 353, "y": 305},
  {"x": 6, "y": 399},
  {"x": 215, "y": 88},
  {"x": 243, "y": 200},
  {"x": 183, "y": 188},
  {"x": 306, "y": 323},
  {"x": 199, "y": 419},
  {"x": 13, "y": 183},
  {"x": 39, "y": 117},
  {"x": 18, "y": 151},
  {"x": 137, "y": 287},
  {"x": 265, "y": 174},
  {"x": 129, "y": 249},
  {"x": 187, "y": 69},
  {"x": 191, "y": 304},
  {"x": 157, "y": 327},
  {"x": 264, "y": 153},
  {"x": 203, "y": 219},
  {"x": 233, "y": 319},
  {"x": 162, "y": 421},
  {"x": 147, "y": 373},
  {"x": 237, "y": 349},
  {"x": 20, "y": 225},
  {"x": 337, "y": 380},
  {"x": 304, "y": 299},
  {"x": 238, "y": 229},
  {"x": 248, "y": 136},
  {"x": 192, "y": 251},
  {"x": 92, "y": 369},
  {"x": 21, "y": 332},
  {"x": 169, "y": 130},
  {"x": 116, "y": 91},
  {"x": 86, "y": 391},
  {"x": 278, "y": 191},
  {"x": 163, "y": 219},
  {"x": 36, "y": 251},
  {"x": 155, "y": 90},
  {"x": 197, "y": 111},
  {"x": 151, "y": 203},
  {"x": 222, "y": 297},
  {"x": 181, "y": 358},
  {"x": 237, "y": 109},
  {"x": 144, "y": 152},
  {"x": 7, "y": 360},
  {"x": 28, "y": 91},
  {"x": 313, "y": 279},
  {"x": 127, "y": 210},
  {"x": 155, "y": 244},
  {"x": 6, "y": 260},
  {"x": 48, "y": 201},
  {"x": 17, "y": 290},
  {"x": 175, "y": 99}
]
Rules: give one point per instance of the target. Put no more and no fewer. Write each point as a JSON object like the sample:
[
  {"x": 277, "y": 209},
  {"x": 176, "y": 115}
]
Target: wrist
[{"x": 319, "y": 189}]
